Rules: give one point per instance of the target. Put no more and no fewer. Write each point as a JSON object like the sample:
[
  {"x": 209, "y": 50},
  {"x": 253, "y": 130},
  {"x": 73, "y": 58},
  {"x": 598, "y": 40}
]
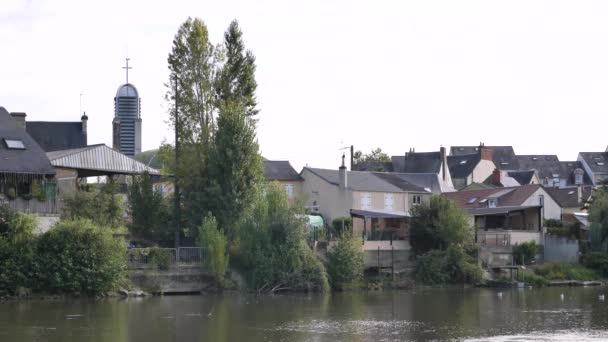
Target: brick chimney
[
  {"x": 485, "y": 153},
  {"x": 84, "y": 119},
  {"x": 19, "y": 118},
  {"x": 444, "y": 162},
  {"x": 496, "y": 177},
  {"x": 343, "y": 175}
]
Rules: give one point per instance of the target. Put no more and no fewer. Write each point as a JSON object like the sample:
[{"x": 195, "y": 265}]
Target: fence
[{"x": 180, "y": 257}]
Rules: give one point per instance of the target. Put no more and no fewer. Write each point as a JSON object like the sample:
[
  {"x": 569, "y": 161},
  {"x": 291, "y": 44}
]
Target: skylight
[
  {"x": 472, "y": 200},
  {"x": 14, "y": 144},
  {"x": 461, "y": 149},
  {"x": 534, "y": 158},
  {"x": 597, "y": 158},
  {"x": 504, "y": 163},
  {"x": 483, "y": 200},
  {"x": 571, "y": 192},
  {"x": 462, "y": 162},
  {"x": 600, "y": 163}
]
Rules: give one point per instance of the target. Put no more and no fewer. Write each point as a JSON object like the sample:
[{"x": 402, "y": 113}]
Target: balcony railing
[
  {"x": 505, "y": 238},
  {"x": 51, "y": 206}
]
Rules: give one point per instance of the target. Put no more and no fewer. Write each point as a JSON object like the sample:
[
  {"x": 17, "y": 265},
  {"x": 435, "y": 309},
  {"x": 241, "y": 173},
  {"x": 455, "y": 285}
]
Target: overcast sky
[{"x": 389, "y": 74}]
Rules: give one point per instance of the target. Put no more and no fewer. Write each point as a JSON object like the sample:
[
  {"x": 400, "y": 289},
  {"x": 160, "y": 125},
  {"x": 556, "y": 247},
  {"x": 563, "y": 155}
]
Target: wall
[
  {"x": 45, "y": 223},
  {"x": 327, "y": 196},
  {"x": 561, "y": 249},
  {"x": 482, "y": 171},
  {"x": 298, "y": 189},
  {"x": 551, "y": 209},
  {"x": 399, "y": 200},
  {"x": 181, "y": 280}
]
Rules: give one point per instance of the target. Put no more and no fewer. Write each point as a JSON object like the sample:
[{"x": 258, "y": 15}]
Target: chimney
[
  {"x": 19, "y": 118},
  {"x": 485, "y": 153},
  {"x": 580, "y": 194},
  {"x": 496, "y": 177},
  {"x": 84, "y": 118},
  {"x": 444, "y": 162},
  {"x": 342, "y": 175}
]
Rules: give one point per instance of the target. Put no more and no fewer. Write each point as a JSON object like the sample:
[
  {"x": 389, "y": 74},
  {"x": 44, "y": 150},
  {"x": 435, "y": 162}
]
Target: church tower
[{"x": 126, "y": 126}]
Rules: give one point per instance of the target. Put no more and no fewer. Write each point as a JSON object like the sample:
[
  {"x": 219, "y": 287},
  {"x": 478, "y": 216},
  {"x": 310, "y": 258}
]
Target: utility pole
[{"x": 176, "y": 193}]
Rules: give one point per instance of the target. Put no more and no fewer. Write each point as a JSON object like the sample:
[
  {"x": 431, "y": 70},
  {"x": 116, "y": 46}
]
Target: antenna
[
  {"x": 81, "y": 103},
  {"x": 127, "y": 68}
]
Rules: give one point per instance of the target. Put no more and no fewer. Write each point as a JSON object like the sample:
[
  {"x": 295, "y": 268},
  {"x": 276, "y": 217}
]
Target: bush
[
  {"x": 150, "y": 211},
  {"x": 77, "y": 256},
  {"x": 563, "y": 271},
  {"x": 102, "y": 206},
  {"x": 337, "y": 224},
  {"x": 531, "y": 278},
  {"x": 524, "y": 252},
  {"x": 214, "y": 241},
  {"x": 597, "y": 261},
  {"x": 159, "y": 257},
  {"x": 454, "y": 265},
  {"x": 345, "y": 262},
  {"x": 17, "y": 247}
]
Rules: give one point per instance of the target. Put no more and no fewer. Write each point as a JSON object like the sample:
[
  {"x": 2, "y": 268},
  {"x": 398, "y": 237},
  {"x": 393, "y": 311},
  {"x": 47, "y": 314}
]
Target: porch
[
  {"x": 380, "y": 225},
  {"x": 507, "y": 226}
]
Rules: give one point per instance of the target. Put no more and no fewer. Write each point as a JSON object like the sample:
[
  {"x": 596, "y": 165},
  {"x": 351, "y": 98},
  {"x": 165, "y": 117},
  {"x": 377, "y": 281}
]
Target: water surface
[{"x": 418, "y": 315}]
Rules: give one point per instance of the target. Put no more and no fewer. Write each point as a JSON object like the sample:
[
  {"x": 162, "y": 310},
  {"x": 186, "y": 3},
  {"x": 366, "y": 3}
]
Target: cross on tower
[{"x": 127, "y": 68}]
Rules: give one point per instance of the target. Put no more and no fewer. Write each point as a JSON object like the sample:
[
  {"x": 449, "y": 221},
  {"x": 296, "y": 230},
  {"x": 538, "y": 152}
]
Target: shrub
[
  {"x": 531, "y": 278},
  {"x": 159, "y": 257},
  {"x": 563, "y": 271},
  {"x": 102, "y": 206},
  {"x": 454, "y": 265},
  {"x": 337, "y": 224},
  {"x": 150, "y": 211},
  {"x": 76, "y": 256},
  {"x": 17, "y": 247},
  {"x": 38, "y": 191},
  {"x": 597, "y": 261},
  {"x": 214, "y": 241},
  {"x": 524, "y": 252},
  {"x": 345, "y": 262}
]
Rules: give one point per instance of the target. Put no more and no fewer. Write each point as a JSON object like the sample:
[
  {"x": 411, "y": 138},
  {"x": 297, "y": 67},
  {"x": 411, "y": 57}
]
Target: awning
[
  {"x": 376, "y": 213},
  {"x": 500, "y": 210}
]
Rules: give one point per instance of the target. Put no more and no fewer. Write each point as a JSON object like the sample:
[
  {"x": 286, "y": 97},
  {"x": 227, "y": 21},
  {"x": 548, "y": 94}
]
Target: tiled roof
[
  {"x": 280, "y": 170},
  {"x": 54, "y": 136},
  {"x": 513, "y": 196},
  {"x": 31, "y": 160}
]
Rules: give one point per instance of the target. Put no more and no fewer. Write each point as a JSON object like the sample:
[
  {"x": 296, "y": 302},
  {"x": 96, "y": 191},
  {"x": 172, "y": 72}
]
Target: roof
[
  {"x": 512, "y": 196},
  {"x": 499, "y": 210},
  {"x": 522, "y": 177},
  {"x": 417, "y": 162},
  {"x": 502, "y": 156},
  {"x": 568, "y": 197},
  {"x": 98, "y": 159},
  {"x": 461, "y": 166},
  {"x": 412, "y": 182},
  {"x": 356, "y": 180},
  {"x": 597, "y": 161},
  {"x": 54, "y": 136},
  {"x": 374, "y": 166},
  {"x": 31, "y": 160},
  {"x": 127, "y": 90},
  {"x": 280, "y": 170},
  {"x": 378, "y": 213}
]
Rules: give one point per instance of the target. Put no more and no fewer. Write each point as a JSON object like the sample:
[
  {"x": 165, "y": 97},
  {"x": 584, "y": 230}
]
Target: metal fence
[{"x": 180, "y": 257}]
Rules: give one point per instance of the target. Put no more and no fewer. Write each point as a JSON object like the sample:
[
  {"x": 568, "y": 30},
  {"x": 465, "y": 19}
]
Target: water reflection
[{"x": 427, "y": 314}]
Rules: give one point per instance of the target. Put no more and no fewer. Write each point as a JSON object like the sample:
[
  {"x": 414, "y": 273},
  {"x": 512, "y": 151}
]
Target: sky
[{"x": 389, "y": 74}]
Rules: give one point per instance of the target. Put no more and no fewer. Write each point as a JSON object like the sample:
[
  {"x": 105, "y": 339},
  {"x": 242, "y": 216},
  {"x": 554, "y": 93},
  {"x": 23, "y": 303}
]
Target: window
[
  {"x": 483, "y": 200},
  {"x": 578, "y": 178},
  {"x": 600, "y": 163},
  {"x": 14, "y": 144},
  {"x": 555, "y": 178},
  {"x": 492, "y": 203},
  {"x": 541, "y": 200},
  {"x": 462, "y": 162},
  {"x": 416, "y": 200},
  {"x": 388, "y": 201},
  {"x": 472, "y": 200},
  {"x": 289, "y": 190},
  {"x": 366, "y": 200}
]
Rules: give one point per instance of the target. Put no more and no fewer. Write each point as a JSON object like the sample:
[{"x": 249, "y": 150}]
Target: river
[{"x": 416, "y": 315}]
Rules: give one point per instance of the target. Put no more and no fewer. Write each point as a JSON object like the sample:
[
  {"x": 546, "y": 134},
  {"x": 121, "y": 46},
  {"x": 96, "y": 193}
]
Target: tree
[
  {"x": 236, "y": 166},
  {"x": 375, "y": 156},
  {"x": 598, "y": 216},
  {"x": 150, "y": 214},
  {"x": 345, "y": 261},
  {"x": 437, "y": 224},
  {"x": 236, "y": 79},
  {"x": 213, "y": 240},
  {"x": 101, "y": 205}
]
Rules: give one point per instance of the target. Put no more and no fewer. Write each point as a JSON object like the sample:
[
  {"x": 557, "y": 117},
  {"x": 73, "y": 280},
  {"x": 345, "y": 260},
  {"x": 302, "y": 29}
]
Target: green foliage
[
  {"x": 16, "y": 251},
  {"x": 553, "y": 223},
  {"x": 598, "y": 216},
  {"x": 525, "y": 252},
  {"x": 345, "y": 262},
  {"x": 529, "y": 277},
  {"x": 77, "y": 256},
  {"x": 213, "y": 240},
  {"x": 337, "y": 225},
  {"x": 374, "y": 156},
  {"x": 236, "y": 78},
  {"x": 102, "y": 206},
  {"x": 563, "y": 229},
  {"x": 438, "y": 224},
  {"x": 451, "y": 266},
  {"x": 564, "y": 271},
  {"x": 150, "y": 213},
  {"x": 236, "y": 167},
  {"x": 38, "y": 191},
  {"x": 159, "y": 257},
  {"x": 274, "y": 253},
  {"x": 597, "y": 261}
]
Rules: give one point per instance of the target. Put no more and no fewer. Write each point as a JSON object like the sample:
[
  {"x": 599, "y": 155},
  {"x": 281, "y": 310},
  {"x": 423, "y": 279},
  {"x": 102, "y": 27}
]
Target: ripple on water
[
  {"x": 356, "y": 327},
  {"x": 556, "y": 336}
]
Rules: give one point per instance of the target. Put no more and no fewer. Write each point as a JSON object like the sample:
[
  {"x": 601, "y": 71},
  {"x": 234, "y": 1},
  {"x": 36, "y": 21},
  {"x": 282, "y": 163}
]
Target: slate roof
[
  {"x": 507, "y": 197},
  {"x": 502, "y": 156},
  {"x": 522, "y": 177},
  {"x": 545, "y": 165},
  {"x": 568, "y": 197},
  {"x": 356, "y": 180},
  {"x": 54, "y": 136},
  {"x": 98, "y": 158},
  {"x": 280, "y": 170},
  {"x": 418, "y": 162},
  {"x": 31, "y": 160},
  {"x": 597, "y": 161},
  {"x": 416, "y": 182},
  {"x": 461, "y": 166}
]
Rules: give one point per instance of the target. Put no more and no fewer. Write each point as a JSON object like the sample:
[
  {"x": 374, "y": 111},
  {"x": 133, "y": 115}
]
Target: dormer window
[
  {"x": 492, "y": 202},
  {"x": 13, "y": 144}
]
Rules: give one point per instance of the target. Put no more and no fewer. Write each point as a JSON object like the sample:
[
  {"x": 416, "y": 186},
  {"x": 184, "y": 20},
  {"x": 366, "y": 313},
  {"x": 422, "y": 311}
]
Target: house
[
  {"x": 595, "y": 164},
  {"x": 504, "y": 217},
  {"x": 466, "y": 169},
  {"x": 502, "y": 156},
  {"x": 282, "y": 172},
  {"x": 505, "y": 178},
  {"x": 571, "y": 200},
  {"x": 553, "y": 172},
  {"x": 55, "y": 136}
]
